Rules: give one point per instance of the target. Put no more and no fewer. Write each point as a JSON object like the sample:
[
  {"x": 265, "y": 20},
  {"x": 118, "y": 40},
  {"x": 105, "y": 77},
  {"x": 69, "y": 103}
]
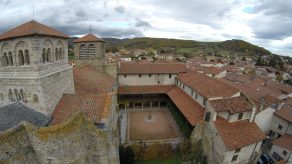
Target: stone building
[
  {"x": 34, "y": 66},
  {"x": 87, "y": 48}
]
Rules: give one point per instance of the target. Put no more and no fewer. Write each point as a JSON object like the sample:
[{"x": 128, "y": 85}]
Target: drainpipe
[{"x": 253, "y": 152}]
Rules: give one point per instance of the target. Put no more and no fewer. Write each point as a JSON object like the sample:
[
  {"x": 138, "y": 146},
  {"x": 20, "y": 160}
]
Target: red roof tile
[
  {"x": 88, "y": 80},
  {"x": 139, "y": 68},
  {"x": 32, "y": 28},
  {"x": 232, "y": 105},
  {"x": 212, "y": 70},
  {"x": 285, "y": 113},
  {"x": 238, "y": 134},
  {"x": 88, "y": 38},
  {"x": 208, "y": 87},
  {"x": 192, "y": 111},
  {"x": 145, "y": 89},
  {"x": 95, "y": 107},
  {"x": 284, "y": 141}
]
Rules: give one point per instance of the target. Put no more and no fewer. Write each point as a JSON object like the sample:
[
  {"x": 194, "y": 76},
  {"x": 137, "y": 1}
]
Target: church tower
[{"x": 34, "y": 67}]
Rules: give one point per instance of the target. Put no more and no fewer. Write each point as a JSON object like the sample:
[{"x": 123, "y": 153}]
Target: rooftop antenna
[
  {"x": 33, "y": 6},
  {"x": 90, "y": 29}
]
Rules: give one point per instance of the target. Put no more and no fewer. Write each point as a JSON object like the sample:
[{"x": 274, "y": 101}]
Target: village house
[
  {"x": 165, "y": 56},
  {"x": 282, "y": 149},
  {"x": 213, "y": 72}
]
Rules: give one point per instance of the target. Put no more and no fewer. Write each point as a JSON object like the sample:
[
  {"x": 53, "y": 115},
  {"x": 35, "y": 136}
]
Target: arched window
[
  {"x": 26, "y": 57},
  {"x": 48, "y": 59},
  {"x": 35, "y": 98},
  {"x": 10, "y": 95},
  {"x": 20, "y": 58},
  {"x": 10, "y": 58},
  {"x": 60, "y": 54},
  {"x": 5, "y": 60},
  {"x": 17, "y": 95},
  {"x": 56, "y": 54},
  {"x": 82, "y": 51},
  {"x": 91, "y": 50},
  {"x": 44, "y": 55},
  {"x": 1, "y": 97},
  {"x": 22, "y": 94}
]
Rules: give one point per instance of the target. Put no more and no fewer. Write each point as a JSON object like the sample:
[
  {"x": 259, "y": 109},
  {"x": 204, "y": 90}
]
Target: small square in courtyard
[{"x": 151, "y": 125}]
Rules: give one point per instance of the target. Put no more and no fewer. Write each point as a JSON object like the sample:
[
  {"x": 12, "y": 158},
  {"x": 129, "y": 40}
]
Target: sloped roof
[
  {"x": 208, "y": 87},
  {"x": 232, "y": 105},
  {"x": 192, "y": 111},
  {"x": 285, "y": 113},
  {"x": 32, "y": 28},
  {"x": 239, "y": 133},
  {"x": 146, "y": 68},
  {"x": 284, "y": 141},
  {"x": 13, "y": 114},
  {"x": 145, "y": 89},
  {"x": 88, "y": 38},
  {"x": 87, "y": 80},
  {"x": 94, "y": 107}
]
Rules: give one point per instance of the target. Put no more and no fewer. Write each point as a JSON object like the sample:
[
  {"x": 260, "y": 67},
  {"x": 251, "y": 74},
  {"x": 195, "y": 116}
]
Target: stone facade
[
  {"x": 36, "y": 72},
  {"x": 75, "y": 141}
]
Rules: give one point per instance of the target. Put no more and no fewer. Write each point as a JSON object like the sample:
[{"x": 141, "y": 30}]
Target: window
[
  {"x": 20, "y": 58},
  {"x": 140, "y": 75},
  {"x": 26, "y": 57},
  {"x": 196, "y": 96},
  {"x": 169, "y": 75},
  {"x": 207, "y": 116},
  {"x": 237, "y": 150},
  {"x": 158, "y": 82},
  {"x": 10, "y": 62},
  {"x": 277, "y": 157},
  {"x": 5, "y": 61},
  {"x": 149, "y": 75},
  {"x": 35, "y": 98},
  {"x": 44, "y": 55},
  {"x": 280, "y": 127},
  {"x": 204, "y": 102},
  {"x": 125, "y": 76},
  {"x": 183, "y": 86},
  {"x": 284, "y": 153},
  {"x": 240, "y": 116},
  {"x": 192, "y": 92},
  {"x": 234, "y": 158}
]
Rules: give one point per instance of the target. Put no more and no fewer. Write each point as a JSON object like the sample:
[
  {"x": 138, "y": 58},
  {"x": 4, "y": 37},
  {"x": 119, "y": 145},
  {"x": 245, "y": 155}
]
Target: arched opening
[
  {"x": 60, "y": 54},
  {"x": 56, "y": 54},
  {"x": 1, "y": 96},
  {"x": 10, "y": 58},
  {"x": 26, "y": 57},
  {"x": 82, "y": 51},
  {"x": 91, "y": 50},
  {"x": 10, "y": 95},
  {"x": 44, "y": 55},
  {"x": 5, "y": 60},
  {"x": 49, "y": 58},
  {"x": 17, "y": 95},
  {"x": 20, "y": 58},
  {"x": 35, "y": 98}
]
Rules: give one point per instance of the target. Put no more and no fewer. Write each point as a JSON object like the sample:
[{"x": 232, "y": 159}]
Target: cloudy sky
[{"x": 266, "y": 23}]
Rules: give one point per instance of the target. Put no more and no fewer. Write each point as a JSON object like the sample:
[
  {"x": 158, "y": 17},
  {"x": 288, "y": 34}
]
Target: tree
[
  {"x": 126, "y": 155},
  {"x": 243, "y": 58}
]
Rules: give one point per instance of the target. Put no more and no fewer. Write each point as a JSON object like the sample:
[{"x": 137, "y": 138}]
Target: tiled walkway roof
[
  {"x": 147, "y": 68},
  {"x": 88, "y": 80},
  {"x": 145, "y": 89},
  {"x": 88, "y": 38},
  {"x": 95, "y": 107},
  {"x": 208, "y": 87},
  {"x": 284, "y": 141},
  {"x": 192, "y": 111},
  {"x": 32, "y": 28},
  {"x": 232, "y": 105},
  {"x": 238, "y": 134}
]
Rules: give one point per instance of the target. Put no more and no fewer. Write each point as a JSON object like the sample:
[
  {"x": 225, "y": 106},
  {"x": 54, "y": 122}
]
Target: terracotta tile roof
[
  {"x": 285, "y": 113},
  {"x": 232, "y": 105},
  {"x": 192, "y": 111},
  {"x": 88, "y": 38},
  {"x": 136, "y": 68},
  {"x": 270, "y": 100},
  {"x": 241, "y": 78},
  {"x": 208, "y": 87},
  {"x": 145, "y": 89},
  {"x": 212, "y": 70},
  {"x": 238, "y": 134},
  {"x": 284, "y": 141},
  {"x": 95, "y": 107},
  {"x": 32, "y": 28},
  {"x": 88, "y": 80}
]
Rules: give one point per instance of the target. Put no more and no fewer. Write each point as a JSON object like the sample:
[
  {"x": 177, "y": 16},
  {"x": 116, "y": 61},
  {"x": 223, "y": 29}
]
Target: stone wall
[{"x": 75, "y": 141}]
